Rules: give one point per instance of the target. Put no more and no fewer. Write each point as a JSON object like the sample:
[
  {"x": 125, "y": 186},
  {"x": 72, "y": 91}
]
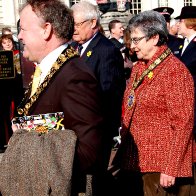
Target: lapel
[
  {"x": 151, "y": 76},
  {"x": 90, "y": 48},
  {"x": 28, "y": 101},
  {"x": 155, "y": 72},
  {"x": 190, "y": 46},
  {"x": 178, "y": 51}
]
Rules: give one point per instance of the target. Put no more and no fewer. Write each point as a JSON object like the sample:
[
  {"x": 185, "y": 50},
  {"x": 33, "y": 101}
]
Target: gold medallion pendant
[{"x": 131, "y": 99}]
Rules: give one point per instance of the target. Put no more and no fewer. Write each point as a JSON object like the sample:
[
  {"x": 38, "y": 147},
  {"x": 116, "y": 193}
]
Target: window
[
  {"x": 21, "y": 2},
  {"x": 188, "y": 3},
  {"x": 135, "y": 6},
  {"x": 163, "y": 3},
  {"x": 72, "y": 2}
]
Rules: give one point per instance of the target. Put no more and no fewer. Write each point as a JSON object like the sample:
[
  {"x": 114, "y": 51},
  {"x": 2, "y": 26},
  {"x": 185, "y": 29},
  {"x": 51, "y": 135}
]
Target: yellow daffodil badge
[
  {"x": 150, "y": 75},
  {"x": 180, "y": 47},
  {"x": 89, "y": 53}
]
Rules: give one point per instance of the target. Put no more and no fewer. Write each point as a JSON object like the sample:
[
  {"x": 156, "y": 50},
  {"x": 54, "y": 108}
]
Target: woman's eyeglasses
[{"x": 136, "y": 40}]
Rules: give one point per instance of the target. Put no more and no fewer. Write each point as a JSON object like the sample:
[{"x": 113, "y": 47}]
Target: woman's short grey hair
[
  {"x": 151, "y": 23},
  {"x": 87, "y": 10},
  {"x": 56, "y": 13}
]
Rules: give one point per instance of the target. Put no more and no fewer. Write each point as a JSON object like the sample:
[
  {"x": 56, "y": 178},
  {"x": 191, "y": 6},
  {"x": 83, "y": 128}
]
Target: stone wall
[{"x": 124, "y": 17}]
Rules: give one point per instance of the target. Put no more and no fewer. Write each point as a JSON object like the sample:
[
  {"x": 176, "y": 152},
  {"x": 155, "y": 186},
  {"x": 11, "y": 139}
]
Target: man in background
[
  {"x": 106, "y": 62},
  {"x": 173, "y": 29},
  {"x": 116, "y": 33},
  {"x": 173, "y": 41}
]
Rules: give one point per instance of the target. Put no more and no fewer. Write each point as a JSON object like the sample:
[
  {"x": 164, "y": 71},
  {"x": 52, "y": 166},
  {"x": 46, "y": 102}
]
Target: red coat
[{"x": 163, "y": 117}]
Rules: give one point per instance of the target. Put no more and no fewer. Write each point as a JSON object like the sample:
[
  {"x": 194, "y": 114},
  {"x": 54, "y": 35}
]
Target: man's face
[
  {"x": 83, "y": 29},
  {"x": 31, "y": 35},
  {"x": 117, "y": 31}
]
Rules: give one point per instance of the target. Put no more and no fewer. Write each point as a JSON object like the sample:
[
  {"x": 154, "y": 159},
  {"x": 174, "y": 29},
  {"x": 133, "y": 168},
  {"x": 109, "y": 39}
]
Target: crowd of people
[{"x": 138, "y": 84}]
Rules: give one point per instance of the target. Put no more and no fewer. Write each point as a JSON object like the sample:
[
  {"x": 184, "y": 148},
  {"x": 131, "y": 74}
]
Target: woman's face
[
  {"x": 7, "y": 44},
  {"x": 144, "y": 47}
]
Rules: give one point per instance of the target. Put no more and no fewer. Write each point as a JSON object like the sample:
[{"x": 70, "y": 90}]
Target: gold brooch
[
  {"x": 41, "y": 129},
  {"x": 150, "y": 75},
  {"x": 89, "y": 53},
  {"x": 180, "y": 46}
]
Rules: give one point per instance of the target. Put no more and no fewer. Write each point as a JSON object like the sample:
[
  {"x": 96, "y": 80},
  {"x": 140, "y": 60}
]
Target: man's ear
[
  {"x": 94, "y": 23},
  {"x": 47, "y": 30}
]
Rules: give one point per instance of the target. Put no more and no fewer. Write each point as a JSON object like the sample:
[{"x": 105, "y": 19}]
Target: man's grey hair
[
  {"x": 87, "y": 10},
  {"x": 151, "y": 23}
]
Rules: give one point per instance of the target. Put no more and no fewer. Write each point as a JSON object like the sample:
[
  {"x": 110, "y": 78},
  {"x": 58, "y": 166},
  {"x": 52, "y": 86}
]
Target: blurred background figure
[
  {"x": 129, "y": 56},
  {"x": 120, "y": 37},
  {"x": 7, "y": 31},
  {"x": 173, "y": 29},
  {"x": 116, "y": 33},
  {"x": 12, "y": 91},
  {"x": 173, "y": 41}
]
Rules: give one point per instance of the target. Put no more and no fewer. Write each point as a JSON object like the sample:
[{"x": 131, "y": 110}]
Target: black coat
[
  {"x": 107, "y": 63},
  {"x": 189, "y": 59}
]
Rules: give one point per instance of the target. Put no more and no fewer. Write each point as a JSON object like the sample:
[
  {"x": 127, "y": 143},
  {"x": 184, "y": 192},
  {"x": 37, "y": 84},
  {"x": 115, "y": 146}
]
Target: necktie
[
  {"x": 186, "y": 42},
  {"x": 80, "y": 47},
  {"x": 36, "y": 80}
]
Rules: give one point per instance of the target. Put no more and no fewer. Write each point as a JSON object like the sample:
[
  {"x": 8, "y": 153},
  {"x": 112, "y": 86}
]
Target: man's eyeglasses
[
  {"x": 78, "y": 25},
  {"x": 136, "y": 40}
]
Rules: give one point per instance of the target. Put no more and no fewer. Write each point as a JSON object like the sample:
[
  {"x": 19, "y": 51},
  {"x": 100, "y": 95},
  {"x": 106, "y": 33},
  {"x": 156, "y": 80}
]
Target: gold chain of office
[
  {"x": 65, "y": 56},
  {"x": 136, "y": 83}
]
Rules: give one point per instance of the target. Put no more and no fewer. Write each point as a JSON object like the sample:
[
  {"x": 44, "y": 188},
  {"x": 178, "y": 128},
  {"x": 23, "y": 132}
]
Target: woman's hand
[{"x": 166, "y": 181}]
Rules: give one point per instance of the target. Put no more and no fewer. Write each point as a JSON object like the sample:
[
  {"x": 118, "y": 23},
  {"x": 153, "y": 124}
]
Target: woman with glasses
[{"x": 155, "y": 154}]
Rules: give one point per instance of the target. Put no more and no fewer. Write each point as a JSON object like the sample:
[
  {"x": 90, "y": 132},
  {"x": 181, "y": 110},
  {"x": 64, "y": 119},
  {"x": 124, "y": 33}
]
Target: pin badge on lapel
[
  {"x": 89, "y": 53},
  {"x": 150, "y": 75}
]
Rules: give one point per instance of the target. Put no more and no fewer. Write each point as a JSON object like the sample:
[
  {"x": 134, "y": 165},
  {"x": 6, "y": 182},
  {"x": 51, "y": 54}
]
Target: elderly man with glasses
[{"x": 106, "y": 62}]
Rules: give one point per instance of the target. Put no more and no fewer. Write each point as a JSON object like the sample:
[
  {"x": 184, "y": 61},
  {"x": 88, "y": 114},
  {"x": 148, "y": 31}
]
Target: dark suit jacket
[
  {"x": 73, "y": 90},
  {"x": 117, "y": 43},
  {"x": 189, "y": 59},
  {"x": 106, "y": 61},
  {"x": 189, "y": 56},
  {"x": 174, "y": 43}
]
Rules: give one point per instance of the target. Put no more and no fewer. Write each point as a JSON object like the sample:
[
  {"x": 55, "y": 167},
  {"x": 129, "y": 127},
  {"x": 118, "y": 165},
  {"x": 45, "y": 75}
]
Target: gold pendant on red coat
[{"x": 131, "y": 99}]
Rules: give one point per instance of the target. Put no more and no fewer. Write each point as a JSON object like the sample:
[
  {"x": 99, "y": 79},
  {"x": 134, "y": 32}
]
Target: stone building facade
[{"x": 109, "y": 9}]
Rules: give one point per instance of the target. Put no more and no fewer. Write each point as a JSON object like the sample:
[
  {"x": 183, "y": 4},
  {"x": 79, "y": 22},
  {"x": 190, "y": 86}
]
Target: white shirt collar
[
  {"x": 85, "y": 45},
  {"x": 47, "y": 62},
  {"x": 191, "y": 37}
]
